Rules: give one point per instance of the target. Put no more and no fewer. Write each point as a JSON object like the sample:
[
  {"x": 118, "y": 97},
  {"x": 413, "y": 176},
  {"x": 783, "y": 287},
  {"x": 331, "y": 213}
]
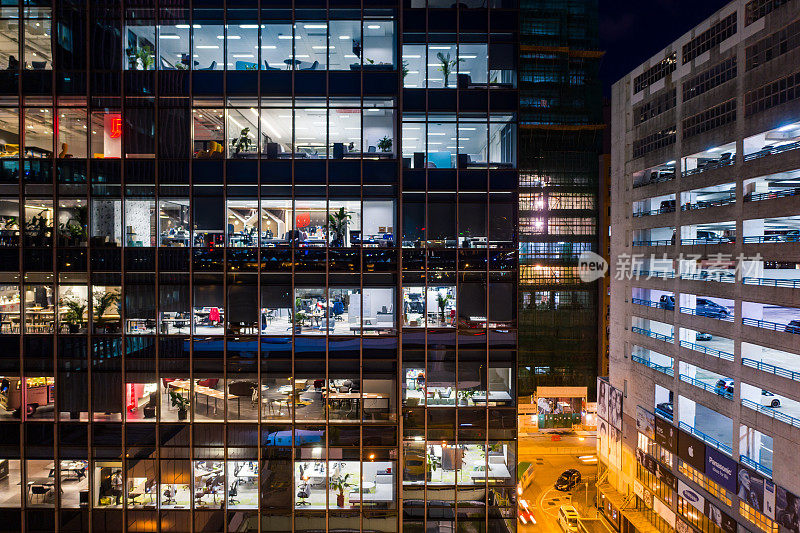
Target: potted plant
[
  {"x": 38, "y": 230},
  {"x": 180, "y": 402},
  {"x": 447, "y": 66},
  {"x": 404, "y": 69},
  {"x": 341, "y": 484},
  {"x": 339, "y": 221},
  {"x": 385, "y": 144},
  {"x": 74, "y": 314},
  {"x": 464, "y": 397},
  {"x": 441, "y": 301},
  {"x": 242, "y": 142},
  {"x": 142, "y": 58},
  {"x": 102, "y": 303}
]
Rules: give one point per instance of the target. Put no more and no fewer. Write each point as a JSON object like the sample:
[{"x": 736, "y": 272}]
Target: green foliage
[
  {"x": 341, "y": 483},
  {"x": 447, "y": 65},
  {"x": 178, "y": 401},
  {"x": 338, "y": 222},
  {"x": 102, "y": 303},
  {"x": 75, "y": 310},
  {"x": 385, "y": 144},
  {"x": 243, "y": 142}
]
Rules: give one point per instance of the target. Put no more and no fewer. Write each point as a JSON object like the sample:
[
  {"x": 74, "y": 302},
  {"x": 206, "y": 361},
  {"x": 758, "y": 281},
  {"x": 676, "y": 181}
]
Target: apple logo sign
[{"x": 691, "y": 451}]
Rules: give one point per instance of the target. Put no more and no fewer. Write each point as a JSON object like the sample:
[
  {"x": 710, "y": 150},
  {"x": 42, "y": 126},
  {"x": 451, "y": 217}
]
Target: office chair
[
  {"x": 233, "y": 492},
  {"x": 304, "y": 493},
  {"x": 169, "y": 494}
]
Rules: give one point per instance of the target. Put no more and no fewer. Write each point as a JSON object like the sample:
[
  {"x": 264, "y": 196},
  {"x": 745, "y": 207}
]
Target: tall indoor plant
[
  {"x": 339, "y": 221},
  {"x": 341, "y": 483},
  {"x": 447, "y": 66}
]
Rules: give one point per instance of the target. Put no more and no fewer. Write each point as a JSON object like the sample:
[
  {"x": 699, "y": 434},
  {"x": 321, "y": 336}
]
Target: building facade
[
  {"x": 704, "y": 300},
  {"x": 258, "y": 265},
  {"x": 561, "y": 130}
]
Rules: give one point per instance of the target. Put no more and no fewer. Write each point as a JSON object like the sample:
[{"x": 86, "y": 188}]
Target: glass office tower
[
  {"x": 561, "y": 130},
  {"x": 258, "y": 265}
]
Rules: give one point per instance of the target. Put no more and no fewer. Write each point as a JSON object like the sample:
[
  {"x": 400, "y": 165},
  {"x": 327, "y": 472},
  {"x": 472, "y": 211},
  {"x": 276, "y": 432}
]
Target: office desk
[{"x": 208, "y": 392}]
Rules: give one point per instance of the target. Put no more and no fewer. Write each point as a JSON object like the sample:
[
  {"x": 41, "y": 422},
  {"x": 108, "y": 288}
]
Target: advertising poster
[
  {"x": 668, "y": 478},
  {"x": 787, "y": 510},
  {"x": 721, "y": 469},
  {"x": 750, "y": 489},
  {"x": 615, "y": 447},
  {"x": 769, "y": 498},
  {"x": 615, "y": 407},
  {"x": 692, "y": 451},
  {"x": 665, "y": 434},
  {"x": 718, "y": 517},
  {"x": 683, "y": 527},
  {"x": 645, "y": 422},
  {"x": 691, "y": 496},
  {"x": 602, "y": 439},
  {"x": 602, "y": 399}
]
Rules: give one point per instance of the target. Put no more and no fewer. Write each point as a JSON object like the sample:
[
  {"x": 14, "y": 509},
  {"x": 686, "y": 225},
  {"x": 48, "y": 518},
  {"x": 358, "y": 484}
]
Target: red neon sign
[{"x": 116, "y": 127}]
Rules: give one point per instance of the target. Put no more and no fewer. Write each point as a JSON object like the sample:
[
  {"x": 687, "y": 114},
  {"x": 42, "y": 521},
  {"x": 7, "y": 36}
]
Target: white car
[
  {"x": 568, "y": 519},
  {"x": 769, "y": 400}
]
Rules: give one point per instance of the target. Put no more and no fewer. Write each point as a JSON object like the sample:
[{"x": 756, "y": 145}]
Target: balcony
[
  {"x": 668, "y": 370},
  {"x": 705, "y": 386},
  {"x": 724, "y": 448},
  {"x": 723, "y": 161},
  {"x": 773, "y": 326},
  {"x": 772, "y": 413},
  {"x": 706, "y": 314},
  {"x": 771, "y": 195},
  {"x": 706, "y": 350},
  {"x": 758, "y": 467},
  {"x": 771, "y": 369},
  {"x": 652, "y": 334},
  {"x": 771, "y": 282},
  {"x": 772, "y": 150}
]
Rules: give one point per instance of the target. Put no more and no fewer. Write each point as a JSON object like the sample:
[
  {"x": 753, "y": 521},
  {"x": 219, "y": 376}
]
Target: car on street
[
  {"x": 524, "y": 512},
  {"x": 568, "y": 479}
]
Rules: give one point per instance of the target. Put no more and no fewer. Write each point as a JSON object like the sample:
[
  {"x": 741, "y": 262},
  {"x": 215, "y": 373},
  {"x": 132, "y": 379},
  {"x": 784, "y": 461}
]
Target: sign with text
[
  {"x": 665, "y": 434},
  {"x": 721, "y": 469}
]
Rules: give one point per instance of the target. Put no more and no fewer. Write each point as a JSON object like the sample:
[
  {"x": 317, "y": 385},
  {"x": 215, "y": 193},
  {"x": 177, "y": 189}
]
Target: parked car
[
  {"x": 568, "y": 479},
  {"x": 666, "y": 408},
  {"x": 702, "y": 336},
  {"x": 724, "y": 385},
  {"x": 769, "y": 400},
  {"x": 793, "y": 327},
  {"x": 667, "y": 206},
  {"x": 703, "y": 307}
]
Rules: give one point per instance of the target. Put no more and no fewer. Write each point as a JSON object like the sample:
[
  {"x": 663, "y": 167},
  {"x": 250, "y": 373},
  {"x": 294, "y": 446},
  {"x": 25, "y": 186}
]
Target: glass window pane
[
  {"x": 442, "y": 65},
  {"x": 379, "y": 45},
  {"x": 73, "y": 132},
  {"x": 38, "y": 124},
  {"x": 9, "y": 44},
  {"x": 311, "y": 45},
  {"x": 473, "y": 62},
  {"x": 208, "y": 133},
  {"x": 345, "y": 44},
  {"x": 38, "y": 49},
  {"x": 207, "y": 46},
  {"x": 414, "y": 66},
  {"x": 173, "y": 47},
  {"x": 276, "y": 46},
  {"x": 242, "y": 46},
  {"x": 140, "y": 47}
]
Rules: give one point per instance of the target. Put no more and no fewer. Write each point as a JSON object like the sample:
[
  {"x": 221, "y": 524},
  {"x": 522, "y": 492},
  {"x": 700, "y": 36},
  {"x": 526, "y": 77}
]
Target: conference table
[{"x": 208, "y": 392}]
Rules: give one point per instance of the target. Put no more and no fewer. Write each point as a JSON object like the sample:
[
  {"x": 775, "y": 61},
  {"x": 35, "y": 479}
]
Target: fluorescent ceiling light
[
  {"x": 207, "y": 47},
  {"x": 344, "y": 37},
  {"x": 439, "y": 47},
  {"x": 373, "y": 27},
  {"x": 248, "y": 26},
  {"x": 163, "y": 36},
  {"x": 467, "y": 57},
  {"x": 788, "y": 127},
  {"x": 411, "y": 56},
  {"x": 315, "y": 26},
  {"x": 285, "y": 37},
  {"x": 243, "y": 55},
  {"x": 267, "y": 47}
]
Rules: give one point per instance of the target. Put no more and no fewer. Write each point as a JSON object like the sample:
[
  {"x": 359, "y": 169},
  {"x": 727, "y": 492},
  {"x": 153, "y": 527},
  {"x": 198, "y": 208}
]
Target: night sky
[{"x": 631, "y": 31}]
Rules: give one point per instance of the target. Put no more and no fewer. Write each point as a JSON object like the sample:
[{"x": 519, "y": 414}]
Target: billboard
[
  {"x": 787, "y": 510},
  {"x": 614, "y": 447},
  {"x": 691, "y": 496},
  {"x": 645, "y": 422},
  {"x": 602, "y": 399},
  {"x": 665, "y": 434},
  {"x": 692, "y": 451},
  {"x": 750, "y": 489},
  {"x": 615, "y": 407},
  {"x": 721, "y": 469}
]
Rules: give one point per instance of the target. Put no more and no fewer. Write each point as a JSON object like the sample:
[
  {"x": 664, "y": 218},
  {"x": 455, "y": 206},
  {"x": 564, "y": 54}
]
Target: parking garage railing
[
  {"x": 760, "y": 239},
  {"x": 663, "y": 414},
  {"x": 707, "y": 438},
  {"x": 706, "y": 314},
  {"x": 717, "y": 163},
  {"x": 710, "y": 203},
  {"x": 772, "y": 150},
  {"x": 716, "y": 240},
  {"x": 721, "y": 277},
  {"x": 663, "y": 242},
  {"x": 646, "y": 303},
  {"x": 771, "y": 195},
  {"x": 706, "y": 350},
  {"x": 773, "y": 326},
  {"x": 755, "y": 465},
  {"x": 652, "y": 334},
  {"x": 668, "y": 370},
  {"x": 771, "y": 282},
  {"x": 771, "y": 369},
  {"x": 652, "y": 212},
  {"x": 705, "y": 386},
  {"x": 772, "y": 413},
  {"x": 638, "y": 274}
]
